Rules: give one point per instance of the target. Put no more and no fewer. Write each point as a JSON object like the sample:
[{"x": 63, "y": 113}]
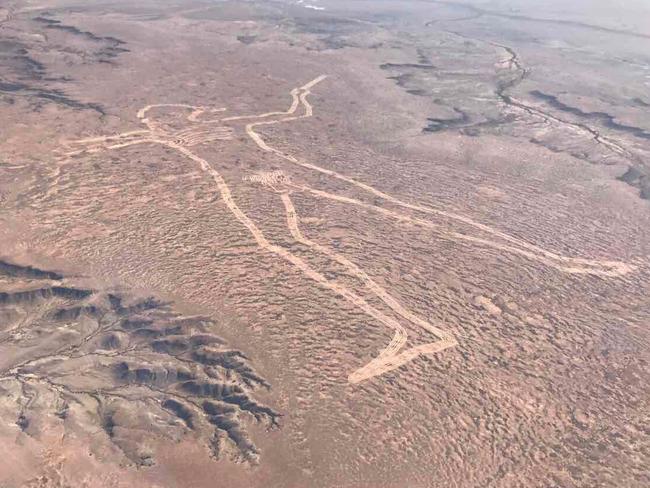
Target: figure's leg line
[
  {"x": 399, "y": 339},
  {"x": 354, "y": 270}
]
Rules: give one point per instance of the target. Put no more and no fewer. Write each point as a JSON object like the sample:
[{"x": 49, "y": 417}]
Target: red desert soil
[{"x": 326, "y": 244}]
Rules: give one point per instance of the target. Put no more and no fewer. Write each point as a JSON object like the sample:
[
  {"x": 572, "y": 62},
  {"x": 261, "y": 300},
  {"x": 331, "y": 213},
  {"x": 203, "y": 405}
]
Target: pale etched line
[
  {"x": 388, "y": 358},
  {"x": 459, "y": 236},
  {"x": 105, "y": 138},
  {"x": 608, "y": 268},
  {"x": 292, "y": 109}
]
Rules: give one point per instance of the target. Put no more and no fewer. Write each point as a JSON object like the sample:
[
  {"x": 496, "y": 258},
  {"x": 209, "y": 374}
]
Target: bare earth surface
[{"x": 324, "y": 244}]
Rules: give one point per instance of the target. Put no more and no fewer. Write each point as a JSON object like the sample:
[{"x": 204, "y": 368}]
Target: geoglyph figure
[{"x": 208, "y": 125}]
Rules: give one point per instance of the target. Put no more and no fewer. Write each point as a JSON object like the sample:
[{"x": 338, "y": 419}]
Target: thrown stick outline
[{"x": 392, "y": 356}]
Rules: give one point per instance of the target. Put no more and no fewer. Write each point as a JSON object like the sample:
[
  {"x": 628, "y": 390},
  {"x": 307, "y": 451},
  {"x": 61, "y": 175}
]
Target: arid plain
[{"x": 324, "y": 244}]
